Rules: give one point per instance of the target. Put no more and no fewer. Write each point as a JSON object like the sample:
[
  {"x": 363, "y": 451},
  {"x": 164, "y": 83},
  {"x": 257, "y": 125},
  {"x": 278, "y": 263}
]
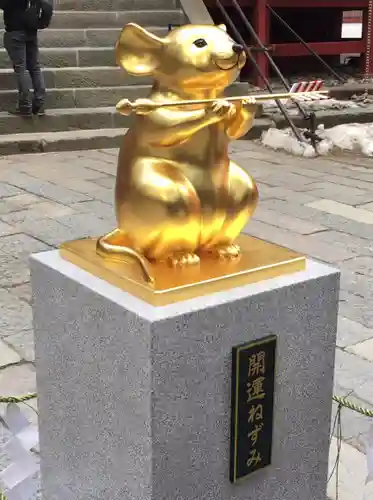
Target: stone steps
[
  {"x": 66, "y": 57},
  {"x": 95, "y": 116},
  {"x": 99, "y": 37},
  {"x": 78, "y": 77},
  {"x": 100, "y": 19},
  {"x": 34, "y": 142},
  {"x": 82, "y": 79},
  {"x": 75, "y": 140},
  {"x": 91, "y": 97},
  {"x": 60, "y": 120},
  {"x": 114, "y": 5},
  {"x": 51, "y": 133},
  {"x": 79, "y": 97}
]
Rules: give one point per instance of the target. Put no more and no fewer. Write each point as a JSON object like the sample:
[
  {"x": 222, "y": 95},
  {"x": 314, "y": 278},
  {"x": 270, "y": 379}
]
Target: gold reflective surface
[
  {"x": 178, "y": 196},
  {"x": 142, "y": 106},
  {"x": 258, "y": 261},
  {"x": 180, "y": 201}
]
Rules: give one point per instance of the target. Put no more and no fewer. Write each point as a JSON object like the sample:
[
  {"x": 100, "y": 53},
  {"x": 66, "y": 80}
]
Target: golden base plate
[{"x": 259, "y": 261}]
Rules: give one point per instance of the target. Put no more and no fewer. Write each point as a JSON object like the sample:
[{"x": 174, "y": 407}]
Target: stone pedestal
[{"x": 135, "y": 401}]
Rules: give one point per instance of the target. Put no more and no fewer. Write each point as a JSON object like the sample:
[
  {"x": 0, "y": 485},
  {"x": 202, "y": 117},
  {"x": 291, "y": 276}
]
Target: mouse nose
[{"x": 237, "y": 48}]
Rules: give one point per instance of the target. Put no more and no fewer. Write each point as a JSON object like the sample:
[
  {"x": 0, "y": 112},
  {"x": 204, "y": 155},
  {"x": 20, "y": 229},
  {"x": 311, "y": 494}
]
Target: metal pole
[
  {"x": 253, "y": 33},
  {"x": 305, "y": 44},
  {"x": 239, "y": 37},
  {"x": 124, "y": 103}
]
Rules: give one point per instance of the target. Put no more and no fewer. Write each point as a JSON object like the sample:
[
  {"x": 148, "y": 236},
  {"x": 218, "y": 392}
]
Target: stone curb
[
  {"x": 329, "y": 118},
  {"x": 111, "y": 138}
]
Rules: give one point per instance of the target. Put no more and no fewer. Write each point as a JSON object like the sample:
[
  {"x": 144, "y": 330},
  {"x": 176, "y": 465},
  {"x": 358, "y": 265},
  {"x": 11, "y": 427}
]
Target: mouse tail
[{"x": 106, "y": 247}]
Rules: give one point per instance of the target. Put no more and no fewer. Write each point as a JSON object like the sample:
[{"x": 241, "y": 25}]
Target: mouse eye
[{"x": 200, "y": 43}]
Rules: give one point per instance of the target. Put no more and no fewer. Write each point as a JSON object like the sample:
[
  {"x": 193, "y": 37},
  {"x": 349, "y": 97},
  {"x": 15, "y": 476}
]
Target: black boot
[
  {"x": 23, "y": 112},
  {"x": 38, "y": 109}
]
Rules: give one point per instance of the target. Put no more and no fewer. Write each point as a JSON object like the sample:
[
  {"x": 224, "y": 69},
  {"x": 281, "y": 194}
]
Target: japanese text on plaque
[{"x": 252, "y": 406}]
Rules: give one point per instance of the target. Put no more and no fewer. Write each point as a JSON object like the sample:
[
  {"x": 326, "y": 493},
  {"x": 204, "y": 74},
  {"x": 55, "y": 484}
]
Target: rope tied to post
[
  {"x": 344, "y": 402},
  {"x": 19, "y": 399}
]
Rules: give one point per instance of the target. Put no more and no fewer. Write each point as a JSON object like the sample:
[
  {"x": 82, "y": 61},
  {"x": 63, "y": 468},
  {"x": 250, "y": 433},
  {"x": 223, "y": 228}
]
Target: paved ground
[{"x": 323, "y": 207}]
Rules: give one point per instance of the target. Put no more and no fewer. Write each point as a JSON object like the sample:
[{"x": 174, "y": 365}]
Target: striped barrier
[{"x": 313, "y": 86}]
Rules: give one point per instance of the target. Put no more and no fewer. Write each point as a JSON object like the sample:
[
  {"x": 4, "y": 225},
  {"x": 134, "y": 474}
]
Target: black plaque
[{"x": 253, "y": 380}]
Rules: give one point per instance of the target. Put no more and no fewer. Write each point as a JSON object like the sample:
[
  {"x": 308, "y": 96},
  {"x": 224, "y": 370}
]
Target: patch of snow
[{"x": 354, "y": 137}]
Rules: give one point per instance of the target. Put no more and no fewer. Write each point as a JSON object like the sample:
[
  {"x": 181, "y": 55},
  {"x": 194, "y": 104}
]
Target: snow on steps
[
  {"x": 89, "y": 128},
  {"x": 353, "y": 137}
]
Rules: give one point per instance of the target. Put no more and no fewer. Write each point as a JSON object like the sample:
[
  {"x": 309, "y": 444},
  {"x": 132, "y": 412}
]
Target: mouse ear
[
  {"x": 222, "y": 27},
  {"x": 137, "y": 50}
]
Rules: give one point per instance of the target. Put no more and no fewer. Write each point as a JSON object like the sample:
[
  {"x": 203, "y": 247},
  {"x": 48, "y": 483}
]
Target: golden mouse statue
[{"x": 178, "y": 195}]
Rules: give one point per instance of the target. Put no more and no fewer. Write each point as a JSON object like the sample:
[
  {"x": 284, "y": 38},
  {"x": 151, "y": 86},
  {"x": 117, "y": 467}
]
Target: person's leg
[
  {"x": 33, "y": 66},
  {"x": 15, "y": 45}
]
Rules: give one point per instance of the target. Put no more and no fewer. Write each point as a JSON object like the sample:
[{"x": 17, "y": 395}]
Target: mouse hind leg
[
  {"x": 161, "y": 214},
  {"x": 240, "y": 204}
]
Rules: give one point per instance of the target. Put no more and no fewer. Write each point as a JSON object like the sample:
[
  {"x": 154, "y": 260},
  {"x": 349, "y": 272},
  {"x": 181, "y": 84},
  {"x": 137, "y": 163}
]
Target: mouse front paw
[
  {"x": 223, "y": 109},
  {"x": 183, "y": 259},
  {"x": 249, "y": 101}
]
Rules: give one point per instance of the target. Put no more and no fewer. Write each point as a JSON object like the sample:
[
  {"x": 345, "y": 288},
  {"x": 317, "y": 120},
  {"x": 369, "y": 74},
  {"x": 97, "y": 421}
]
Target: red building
[{"x": 318, "y": 22}]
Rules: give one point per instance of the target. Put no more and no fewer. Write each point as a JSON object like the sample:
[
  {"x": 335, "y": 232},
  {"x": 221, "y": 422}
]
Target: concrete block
[
  {"x": 21, "y": 245},
  {"x": 107, "y": 19},
  {"x": 7, "y": 190},
  {"x": 58, "y": 120},
  {"x": 52, "y": 57},
  {"x": 62, "y": 38},
  {"x": 363, "y": 350},
  {"x": 17, "y": 380},
  {"x": 12, "y": 271},
  {"x": 354, "y": 374},
  {"x": 69, "y": 57},
  {"x": 83, "y": 20},
  {"x": 76, "y": 140},
  {"x": 351, "y": 332},
  {"x": 108, "y": 96},
  {"x": 8, "y": 80},
  {"x": 55, "y": 99},
  {"x": 144, "y": 392},
  {"x": 6, "y": 229},
  {"x": 95, "y": 97},
  {"x": 23, "y": 344},
  {"x": 15, "y": 316},
  {"x": 8, "y": 356},
  {"x": 352, "y": 473},
  {"x": 93, "y": 77},
  {"x": 107, "y": 37},
  {"x": 58, "y": 58},
  {"x": 151, "y": 17},
  {"x": 348, "y": 195},
  {"x": 97, "y": 56},
  {"x": 343, "y": 210},
  {"x": 22, "y": 292},
  {"x": 4, "y": 60}
]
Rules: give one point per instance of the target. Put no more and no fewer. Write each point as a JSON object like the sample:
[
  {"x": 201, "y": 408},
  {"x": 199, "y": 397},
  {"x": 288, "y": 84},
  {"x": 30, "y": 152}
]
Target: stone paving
[{"x": 323, "y": 207}]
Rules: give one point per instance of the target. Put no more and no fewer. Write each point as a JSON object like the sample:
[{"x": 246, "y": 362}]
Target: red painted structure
[{"x": 318, "y": 22}]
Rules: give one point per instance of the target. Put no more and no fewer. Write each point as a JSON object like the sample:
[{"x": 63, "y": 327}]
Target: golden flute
[{"x": 126, "y": 105}]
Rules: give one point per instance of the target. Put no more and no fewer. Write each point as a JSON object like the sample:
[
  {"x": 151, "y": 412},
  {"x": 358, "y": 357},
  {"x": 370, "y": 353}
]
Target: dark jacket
[{"x": 13, "y": 14}]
